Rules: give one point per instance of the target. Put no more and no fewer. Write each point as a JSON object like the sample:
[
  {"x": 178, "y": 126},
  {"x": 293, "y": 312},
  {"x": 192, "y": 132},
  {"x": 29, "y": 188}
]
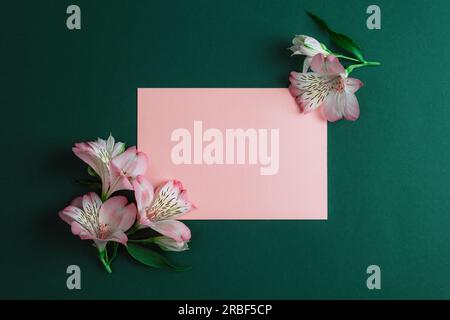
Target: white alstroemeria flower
[
  {"x": 309, "y": 47},
  {"x": 328, "y": 85}
]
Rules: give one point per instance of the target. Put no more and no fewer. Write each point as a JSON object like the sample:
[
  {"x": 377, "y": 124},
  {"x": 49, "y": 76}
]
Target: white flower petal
[
  {"x": 351, "y": 108},
  {"x": 315, "y": 88}
]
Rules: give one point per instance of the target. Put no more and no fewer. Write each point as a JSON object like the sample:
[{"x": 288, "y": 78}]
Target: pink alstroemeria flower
[
  {"x": 158, "y": 210},
  {"x": 98, "y": 155},
  {"x": 328, "y": 86},
  {"x": 125, "y": 168},
  {"x": 90, "y": 219},
  {"x": 116, "y": 167}
]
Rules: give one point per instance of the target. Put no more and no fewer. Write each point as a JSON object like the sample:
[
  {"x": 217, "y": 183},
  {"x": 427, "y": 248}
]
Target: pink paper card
[{"x": 240, "y": 153}]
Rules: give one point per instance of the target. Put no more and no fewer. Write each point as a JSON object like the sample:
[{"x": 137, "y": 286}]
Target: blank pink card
[{"x": 240, "y": 153}]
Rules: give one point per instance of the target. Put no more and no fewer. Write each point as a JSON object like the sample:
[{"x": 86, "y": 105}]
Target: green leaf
[
  {"x": 339, "y": 39},
  {"x": 92, "y": 173},
  {"x": 151, "y": 258}
]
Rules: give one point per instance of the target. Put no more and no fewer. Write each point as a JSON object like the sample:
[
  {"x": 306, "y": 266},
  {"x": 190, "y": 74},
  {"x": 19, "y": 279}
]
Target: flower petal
[
  {"x": 129, "y": 217},
  {"x": 306, "y": 45},
  {"x": 308, "y": 104},
  {"x": 91, "y": 203},
  {"x": 295, "y": 91},
  {"x": 311, "y": 42},
  {"x": 73, "y": 211},
  {"x": 83, "y": 233},
  {"x": 118, "y": 180},
  {"x": 351, "y": 108},
  {"x": 313, "y": 88},
  {"x": 333, "y": 106},
  {"x": 119, "y": 148},
  {"x": 171, "y": 201},
  {"x": 143, "y": 192},
  {"x": 118, "y": 236},
  {"x": 333, "y": 65},
  {"x": 352, "y": 85},
  {"x": 86, "y": 153},
  {"x": 98, "y": 155},
  {"x": 110, "y": 144},
  {"x": 125, "y": 168},
  {"x": 114, "y": 148},
  {"x": 77, "y": 202},
  {"x": 328, "y": 65},
  {"x": 131, "y": 162},
  {"x": 108, "y": 212},
  {"x": 299, "y": 39},
  {"x": 116, "y": 214},
  {"x": 174, "y": 229},
  {"x": 84, "y": 216},
  {"x": 317, "y": 63},
  {"x": 307, "y": 64},
  {"x": 70, "y": 214}
]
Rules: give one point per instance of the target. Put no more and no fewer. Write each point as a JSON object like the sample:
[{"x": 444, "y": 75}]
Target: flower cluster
[
  {"x": 106, "y": 218},
  {"x": 328, "y": 84}
]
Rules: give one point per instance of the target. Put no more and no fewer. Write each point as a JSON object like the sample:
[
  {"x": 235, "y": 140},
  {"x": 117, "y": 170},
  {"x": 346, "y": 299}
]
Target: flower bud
[
  {"x": 308, "y": 46},
  {"x": 168, "y": 244}
]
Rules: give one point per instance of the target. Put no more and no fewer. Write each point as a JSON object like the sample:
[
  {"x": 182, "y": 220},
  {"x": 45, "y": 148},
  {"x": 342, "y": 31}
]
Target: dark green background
[{"x": 388, "y": 172}]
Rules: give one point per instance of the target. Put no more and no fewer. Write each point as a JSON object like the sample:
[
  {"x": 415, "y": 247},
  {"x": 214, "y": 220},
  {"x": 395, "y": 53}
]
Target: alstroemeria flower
[
  {"x": 328, "y": 86},
  {"x": 116, "y": 167},
  {"x": 90, "y": 219},
  {"x": 309, "y": 47},
  {"x": 125, "y": 168},
  {"x": 98, "y": 155},
  {"x": 168, "y": 244},
  {"x": 158, "y": 210}
]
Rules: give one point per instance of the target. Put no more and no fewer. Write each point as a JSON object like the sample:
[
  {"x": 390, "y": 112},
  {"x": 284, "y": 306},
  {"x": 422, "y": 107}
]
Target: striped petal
[
  {"x": 314, "y": 89},
  {"x": 171, "y": 201}
]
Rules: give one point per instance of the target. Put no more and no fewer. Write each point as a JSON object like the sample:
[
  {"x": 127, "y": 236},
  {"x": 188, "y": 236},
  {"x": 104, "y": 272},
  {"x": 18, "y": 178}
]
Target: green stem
[
  {"x": 345, "y": 57},
  {"x": 371, "y": 63},
  {"x": 104, "y": 259},
  {"x": 352, "y": 67}
]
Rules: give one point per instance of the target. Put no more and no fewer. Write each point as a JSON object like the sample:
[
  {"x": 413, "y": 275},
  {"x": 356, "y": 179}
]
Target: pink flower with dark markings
[
  {"x": 125, "y": 168},
  {"x": 328, "y": 86},
  {"x": 159, "y": 209},
  {"x": 116, "y": 168},
  {"x": 90, "y": 219}
]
